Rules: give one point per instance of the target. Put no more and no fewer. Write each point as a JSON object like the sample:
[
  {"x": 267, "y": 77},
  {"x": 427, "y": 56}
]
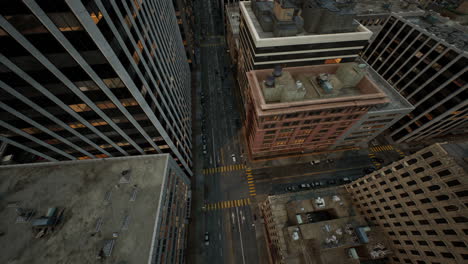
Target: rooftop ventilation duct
[
  {"x": 278, "y": 71},
  {"x": 270, "y": 81}
]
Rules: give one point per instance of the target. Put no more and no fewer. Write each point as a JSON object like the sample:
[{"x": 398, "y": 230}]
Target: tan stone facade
[{"x": 421, "y": 203}]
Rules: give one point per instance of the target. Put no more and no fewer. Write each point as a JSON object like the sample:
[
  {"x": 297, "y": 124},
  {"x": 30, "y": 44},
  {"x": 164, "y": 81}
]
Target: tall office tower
[
  {"x": 284, "y": 33},
  {"x": 88, "y": 79},
  {"x": 425, "y": 59},
  {"x": 115, "y": 210},
  {"x": 421, "y": 202},
  {"x": 318, "y": 108},
  {"x": 373, "y": 13},
  {"x": 186, "y": 20}
]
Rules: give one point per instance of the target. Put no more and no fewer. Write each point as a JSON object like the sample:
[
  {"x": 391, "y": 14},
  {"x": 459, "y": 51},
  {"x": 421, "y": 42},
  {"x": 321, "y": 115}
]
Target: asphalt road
[{"x": 226, "y": 214}]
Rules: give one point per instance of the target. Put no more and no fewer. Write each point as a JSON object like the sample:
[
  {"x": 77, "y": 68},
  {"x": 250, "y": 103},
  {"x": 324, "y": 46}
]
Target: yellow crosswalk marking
[
  {"x": 251, "y": 184},
  {"x": 250, "y": 181},
  {"x": 248, "y": 200},
  {"x": 252, "y": 188},
  {"x": 253, "y": 194},
  {"x": 239, "y": 202},
  {"x": 252, "y": 191}
]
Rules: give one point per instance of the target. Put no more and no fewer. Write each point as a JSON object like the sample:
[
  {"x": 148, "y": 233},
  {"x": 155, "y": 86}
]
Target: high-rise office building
[
  {"x": 293, "y": 34},
  {"x": 115, "y": 210},
  {"x": 91, "y": 79},
  {"x": 421, "y": 202},
  {"x": 425, "y": 59},
  {"x": 318, "y": 108},
  {"x": 186, "y": 20}
]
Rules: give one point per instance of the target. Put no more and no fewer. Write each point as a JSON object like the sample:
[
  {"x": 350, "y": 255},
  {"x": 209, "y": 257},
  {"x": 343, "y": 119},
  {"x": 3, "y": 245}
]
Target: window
[
  {"x": 425, "y": 200},
  {"x": 460, "y": 219},
  {"x": 462, "y": 194},
  {"x": 435, "y": 164},
  {"x": 431, "y": 232},
  {"x": 412, "y": 161},
  {"x": 410, "y": 183},
  {"x": 418, "y": 170},
  {"x": 434, "y": 187},
  {"x": 458, "y": 244},
  {"x": 269, "y": 126},
  {"x": 447, "y": 255},
  {"x": 440, "y": 221},
  {"x": 453, "y": 183},
  {"x": 270, "y": 132},
  {"x": 444, "y": 173},
  {"x": 426, "y": 178},
  {"x": 442, "y": 197},
  {"x": 417, "y": 212},
  {"x": 416, "y": 233},
  {"x": 451, "y": 208},
  {"x": 422, "y": 243},
  {"x": 450, "y": 232},
  {"x": 427, "y": 155}
]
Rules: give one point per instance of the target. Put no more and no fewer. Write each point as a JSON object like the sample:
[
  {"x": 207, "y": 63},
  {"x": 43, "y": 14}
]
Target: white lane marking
[{"x": 240, "y": 234}]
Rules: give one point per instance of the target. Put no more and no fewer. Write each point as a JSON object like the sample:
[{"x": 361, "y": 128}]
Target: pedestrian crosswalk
[
  {"x": 226, "y": 204},
  {"x": 401, "y": 153},
  {"x": 250, "y": 182},
  {"x": 376, "y": 164},
  {"x": 224, "y": 169},
  {"x": 381, "y": 148}
]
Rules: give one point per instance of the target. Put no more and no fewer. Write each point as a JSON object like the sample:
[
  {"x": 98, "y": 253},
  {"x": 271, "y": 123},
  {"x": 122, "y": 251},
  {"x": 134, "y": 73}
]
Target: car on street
[
  {"x": 314, "y": 162},
  {"x": 305, "y": 186},
  {"x": 207, "y": 238},
  {"x": 368, "y": 170},
  {"x": 291, "y": 188},
  {"x": 331, "y": 182},
  {"x": 346, "y": 180},
  {"x": 233, "y": 157},
  {"x": 378, "y": 160}
]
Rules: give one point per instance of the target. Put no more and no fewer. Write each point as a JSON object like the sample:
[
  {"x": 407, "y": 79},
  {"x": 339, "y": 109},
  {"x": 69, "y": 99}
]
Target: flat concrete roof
[
  {"x": 311, "y": 245},
  {"x": 266, "y": 39},
  {"x": 397, "y": 101},
  {"x": 367, "y": 92},
  {"x": 92, "y": 193},
  {"x": 233, "y": 15},
  {"x": 442, "y": 28},
  {"x": 385, "y": 7}
]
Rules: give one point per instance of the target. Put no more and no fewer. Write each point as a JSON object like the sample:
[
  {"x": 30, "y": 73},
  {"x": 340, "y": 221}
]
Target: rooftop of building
[
  {"x": 385, "y": 7},
  {"x": 442, "y": 28},
  {"x": 321, "y": 226},
  {"x": 263, "y": 38},
  {"x": 396, "y": 100},
  {"x": 347, "y": 89},
  {"x": 233, "y": 15},
  {"x": 458, "y": 151},
  {"x": 110, "y": 202}
]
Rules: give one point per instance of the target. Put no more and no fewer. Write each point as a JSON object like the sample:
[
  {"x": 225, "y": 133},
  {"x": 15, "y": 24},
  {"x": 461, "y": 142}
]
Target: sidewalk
[{"x": 262, "y": 250}]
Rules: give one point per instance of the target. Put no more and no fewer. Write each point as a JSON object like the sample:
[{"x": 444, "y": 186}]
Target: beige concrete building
[
  {"x": 320, "y": 226},
  {"x": 421, "y": 204},
  {"x": 114, "y": 210}
]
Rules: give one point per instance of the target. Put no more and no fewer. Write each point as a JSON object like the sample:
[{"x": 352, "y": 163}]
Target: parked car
[
  {"x": 305, "y": 186},
  {"x": 233, "y": 157},
  {"x": 207, "y": 238},
  {"x": 291, "y": 188},
  {"x": 314, "y": 162},
  {"x": 379, "y": 160},
  {"x": 346, "y": 180},
  {"x": 331, "y": 182},
  {"x": 368, "y": 170}
]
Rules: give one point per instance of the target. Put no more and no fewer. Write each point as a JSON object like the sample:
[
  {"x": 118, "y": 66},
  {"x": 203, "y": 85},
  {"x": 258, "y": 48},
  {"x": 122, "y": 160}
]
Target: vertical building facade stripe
[
  {"x": 51, "y": 67},
  {"x": 83, "y": 16}
]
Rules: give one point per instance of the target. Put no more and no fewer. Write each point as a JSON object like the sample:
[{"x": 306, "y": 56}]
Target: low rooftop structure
[
  {"x": 298, "y": 30},
  {"x": 94, "y": 211},
  {"x": 345, "y": 83},
  {"x": 320, "y": 226},
  {"x": 443, "y": 28}
]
